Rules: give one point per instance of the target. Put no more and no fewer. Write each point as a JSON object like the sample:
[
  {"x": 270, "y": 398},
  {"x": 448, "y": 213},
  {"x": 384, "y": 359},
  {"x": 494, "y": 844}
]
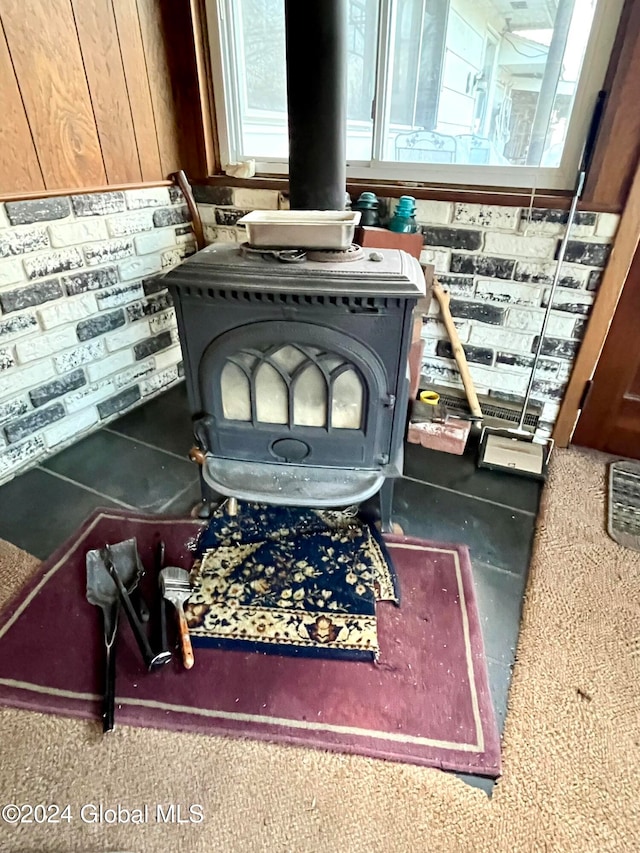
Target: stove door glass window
[{"x": 293, "y": 385}]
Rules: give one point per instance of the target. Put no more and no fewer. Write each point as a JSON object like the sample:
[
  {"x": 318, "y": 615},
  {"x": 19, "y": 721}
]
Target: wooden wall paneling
[
  {"x": 19, "y": 167},
  {"x": 98, "y": 38},
  {"x": 137, "y": 80},
  {"x": 617, "y": 150},
  {"x": 164, "y": 109},
  {"x": 614, "y": 278},
  {"x": 44, "y": 48}
]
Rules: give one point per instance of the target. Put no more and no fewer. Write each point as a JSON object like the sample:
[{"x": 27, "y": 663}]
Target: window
[{"x": 493, "y": 92}]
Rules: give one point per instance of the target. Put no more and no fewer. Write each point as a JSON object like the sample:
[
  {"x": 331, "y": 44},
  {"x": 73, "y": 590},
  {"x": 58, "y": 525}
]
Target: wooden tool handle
[
  {"x": 458, "y": 352},
  {"x": 185, "y": 639}
]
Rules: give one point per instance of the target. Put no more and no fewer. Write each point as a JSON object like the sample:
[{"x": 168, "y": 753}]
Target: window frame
[{"x": 227, "y": 97}]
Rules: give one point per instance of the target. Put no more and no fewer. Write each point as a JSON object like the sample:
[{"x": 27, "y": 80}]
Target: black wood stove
[{"x": 297, "y": 372}]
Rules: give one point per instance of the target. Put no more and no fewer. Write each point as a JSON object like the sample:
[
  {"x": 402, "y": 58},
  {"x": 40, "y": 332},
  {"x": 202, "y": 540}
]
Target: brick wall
[
  {"x": 87, "y": 330},
  {"x": 498, "y": 264}
]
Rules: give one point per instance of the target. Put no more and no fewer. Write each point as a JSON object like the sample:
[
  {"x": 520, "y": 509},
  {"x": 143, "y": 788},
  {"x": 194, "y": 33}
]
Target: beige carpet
[{"x": 571, "y": 746}]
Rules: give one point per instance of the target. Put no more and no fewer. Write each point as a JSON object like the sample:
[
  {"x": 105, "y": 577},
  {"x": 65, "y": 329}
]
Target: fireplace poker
[
  {"x": 160, "y": 557},
  {"x": 151, "y": 659}
]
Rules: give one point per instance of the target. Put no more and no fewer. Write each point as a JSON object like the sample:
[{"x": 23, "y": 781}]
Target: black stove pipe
[{"x": 316, "y": 39}]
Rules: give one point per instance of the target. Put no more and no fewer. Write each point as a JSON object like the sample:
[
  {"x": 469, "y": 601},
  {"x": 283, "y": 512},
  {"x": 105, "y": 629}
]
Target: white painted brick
[
  {"x": 607, "y": 225},
  {"x": 221, "y": 235},
  {"x": 531, "y": 321},
  {"x": 499, "y": 337},
  {"x": 550, "y": 411},
  {"x": 156, "y": 241},
  {"x": 432, "y": 328},
  {"x": 43, "y": 345},
  {"x": 119, "y": 295},
  {"x": 139, "y": 267},
  {"x": 109, "y": 365},
  {"x": 187, "y": 239},
  {"x": 250, "y": 199},
  {"x": 74, "y": 233},
  {"x": 130, "y": 223},
  {"x": 130, "y": 335},
  {"x": 19, "y": 456},
  {"x": 69, "y": 360},
  {"x": 556, "y": 229},
  {"x": 433, "y": 212},
  {"x": 496, "y": 243},
  {"x": 564, "y": 370},
  {"x": 18, "y": 325},
  {"x": 207, "y": 214},
  {"x": 546, "y": 271},
  {"x": 107, "y": 251},
  {"x": 150, "y": 197},
  {"x": 133, "y": 374},
  {"x": 498, "y": 290},
  {"x": 68, "y": 310},
  {"x": 18, "y": 380},
  {"x": 11, "y": 272},
  {"x": 429, "y": 347},
  {"x": 487, "y": 216},
  {"x": 168, "y": 357},
  {"x": 158, "y": 381},
  {"x": 498, "y": 379},
  {"x": 7, "y": 358},
  {"x": 49, "y": 263},
  {"x": 568, "y": 296},
  {"x": 171, "y": 258},
  {"x": 89, "y": 395},
  {"x": 160, "y": 322},
  {"x": 440, "y": 259},
  {"x": 70, "y": 427}
]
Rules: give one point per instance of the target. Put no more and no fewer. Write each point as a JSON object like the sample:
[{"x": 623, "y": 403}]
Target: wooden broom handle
[{"x": 458, "y": 352}]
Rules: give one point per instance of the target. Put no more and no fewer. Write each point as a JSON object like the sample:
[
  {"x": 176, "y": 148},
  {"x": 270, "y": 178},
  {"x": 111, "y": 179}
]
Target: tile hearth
[{"x": 140, "y": 462}]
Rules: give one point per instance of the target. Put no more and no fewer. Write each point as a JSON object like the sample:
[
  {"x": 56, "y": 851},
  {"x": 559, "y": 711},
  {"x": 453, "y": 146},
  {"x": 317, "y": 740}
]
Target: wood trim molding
[
  {"x": 205, "y": 86},
  {"x": 613, "y": 281},
  {"x": 103, "y": 188},
  {"x": 553, "y": 199}
]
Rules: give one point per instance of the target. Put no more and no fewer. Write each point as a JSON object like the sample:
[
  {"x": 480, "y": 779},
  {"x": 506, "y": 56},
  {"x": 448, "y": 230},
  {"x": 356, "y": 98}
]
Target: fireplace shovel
[{"x": 103, "y": 593}]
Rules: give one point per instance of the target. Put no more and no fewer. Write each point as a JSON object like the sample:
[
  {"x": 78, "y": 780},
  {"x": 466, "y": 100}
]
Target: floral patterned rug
[{"x": 290, "y": 581}]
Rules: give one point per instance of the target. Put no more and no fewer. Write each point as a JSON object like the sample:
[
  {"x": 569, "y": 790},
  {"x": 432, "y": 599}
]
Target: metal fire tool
[
  {"x": 151, "y": 659},
  {"x": 103, "y": 593},
  {"x": 160, "y": 557}
]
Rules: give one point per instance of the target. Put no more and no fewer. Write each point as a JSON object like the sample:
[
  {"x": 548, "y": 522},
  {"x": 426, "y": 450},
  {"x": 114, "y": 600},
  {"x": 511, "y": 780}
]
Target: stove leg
[{"x": 386, "y": 504}]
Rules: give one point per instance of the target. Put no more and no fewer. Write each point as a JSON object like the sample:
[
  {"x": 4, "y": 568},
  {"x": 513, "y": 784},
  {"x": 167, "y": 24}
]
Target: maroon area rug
[{"x": 425, "y": 702}]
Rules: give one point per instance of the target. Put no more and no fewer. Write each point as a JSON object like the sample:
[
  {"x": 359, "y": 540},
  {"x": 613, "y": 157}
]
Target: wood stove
[
  {"x": 297, "y": 373},
  {"x": 296, "y": 365}
]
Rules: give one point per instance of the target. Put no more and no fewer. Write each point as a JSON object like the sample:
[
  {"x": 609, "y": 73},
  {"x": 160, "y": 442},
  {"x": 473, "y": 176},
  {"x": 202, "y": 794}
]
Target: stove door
[{"x": 296, "y": 393}]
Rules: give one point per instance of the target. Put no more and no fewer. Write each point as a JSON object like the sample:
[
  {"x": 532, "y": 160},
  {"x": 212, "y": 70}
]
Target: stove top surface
[{"x": 381, "y": 272}]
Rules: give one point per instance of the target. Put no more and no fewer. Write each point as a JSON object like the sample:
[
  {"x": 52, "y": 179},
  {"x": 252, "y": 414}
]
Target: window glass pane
[
  {"x": 261, "y": 77},
  {"x": 346, "y": 409},
  {"x": 484, "y": 82},
  {"x": 272, "y": 396},
  {"x": 310, "y": 398},
  {"x": 236, "y": 393},
  {"x": 289, "y": 358}
]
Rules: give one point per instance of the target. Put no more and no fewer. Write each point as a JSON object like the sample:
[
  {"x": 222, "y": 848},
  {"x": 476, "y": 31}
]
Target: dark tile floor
[{"x": 140, "y": 462}]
